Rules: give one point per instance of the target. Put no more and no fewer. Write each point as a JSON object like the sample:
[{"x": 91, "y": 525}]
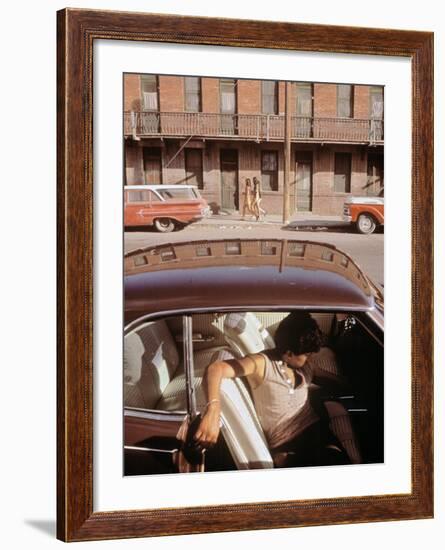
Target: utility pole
[{"x": 287, "y": 155}]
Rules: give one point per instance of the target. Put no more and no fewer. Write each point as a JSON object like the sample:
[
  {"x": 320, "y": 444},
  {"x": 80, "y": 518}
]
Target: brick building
[{"x": 215, "y": 132}]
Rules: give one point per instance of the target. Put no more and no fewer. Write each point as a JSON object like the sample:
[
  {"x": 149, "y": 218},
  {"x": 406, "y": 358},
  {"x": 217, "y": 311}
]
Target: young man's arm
[{"x": 251, "y": 365}]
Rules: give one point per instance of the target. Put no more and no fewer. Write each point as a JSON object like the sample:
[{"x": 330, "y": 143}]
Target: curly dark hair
[{"x": 298, "y": 333}]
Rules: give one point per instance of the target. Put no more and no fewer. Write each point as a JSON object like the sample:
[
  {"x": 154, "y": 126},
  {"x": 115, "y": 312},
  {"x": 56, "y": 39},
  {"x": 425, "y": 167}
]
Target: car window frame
[
  {"x": 190, "y": 190},
  {"x": 187, "y": 354}
]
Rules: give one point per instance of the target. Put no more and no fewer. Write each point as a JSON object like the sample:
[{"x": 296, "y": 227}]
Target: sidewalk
[{"x": 304, "y": 220}]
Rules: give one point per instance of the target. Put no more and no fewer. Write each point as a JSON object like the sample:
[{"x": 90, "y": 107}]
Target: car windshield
[{"x": 180, "y": 193}]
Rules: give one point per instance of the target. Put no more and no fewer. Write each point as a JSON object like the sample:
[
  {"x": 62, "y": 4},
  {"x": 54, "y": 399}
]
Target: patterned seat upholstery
[
  {"x": 245, "y": 334},
  {"x": 325, "y": 365},
  {"x": 150, "y": 362}
]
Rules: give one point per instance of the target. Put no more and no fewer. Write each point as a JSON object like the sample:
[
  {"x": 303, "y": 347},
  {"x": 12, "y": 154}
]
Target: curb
[{"x": 315, "y": 225}]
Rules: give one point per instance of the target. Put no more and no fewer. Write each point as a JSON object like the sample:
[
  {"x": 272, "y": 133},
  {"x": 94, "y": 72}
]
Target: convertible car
[{"x": 189, "y": 304}]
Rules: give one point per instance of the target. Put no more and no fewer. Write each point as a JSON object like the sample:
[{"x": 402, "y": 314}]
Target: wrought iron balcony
[{"x": 252, "y": 127}]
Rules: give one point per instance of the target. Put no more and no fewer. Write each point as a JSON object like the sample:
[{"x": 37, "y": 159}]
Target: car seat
[
  {"x": 245, "y": 334},
  {"x": 150, "y": 362}
]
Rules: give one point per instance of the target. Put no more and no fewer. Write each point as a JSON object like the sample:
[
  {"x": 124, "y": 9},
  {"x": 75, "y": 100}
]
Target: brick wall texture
[{"x": 323, "y": 198}]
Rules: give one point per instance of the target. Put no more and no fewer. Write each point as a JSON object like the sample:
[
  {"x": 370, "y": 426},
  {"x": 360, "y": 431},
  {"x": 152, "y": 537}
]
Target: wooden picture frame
[{"x": 77, "y": 31}]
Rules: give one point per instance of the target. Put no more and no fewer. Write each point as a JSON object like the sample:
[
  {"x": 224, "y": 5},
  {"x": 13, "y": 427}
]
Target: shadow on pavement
[
  {"x": 331, "y": 227},
  {"x": 336, "y": 227}
]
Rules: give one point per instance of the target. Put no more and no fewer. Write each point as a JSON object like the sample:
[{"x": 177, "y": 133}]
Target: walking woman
[
  {"x": 248, "y": 198},
  {"x": 256, "y": 206}
]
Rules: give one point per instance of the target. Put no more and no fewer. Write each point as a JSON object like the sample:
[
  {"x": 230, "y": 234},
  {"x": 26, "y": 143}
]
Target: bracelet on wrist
[{"x": 211, "y": 402}]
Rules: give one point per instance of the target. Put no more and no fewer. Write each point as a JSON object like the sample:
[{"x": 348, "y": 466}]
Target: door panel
[
  {"x": 304, "y": 187},
  {"x": 229, "y": 179},
  {"x": 141, "y": 207},
  {"x": 152, "y": 166},
  {"x": 375, "y": 174},
  {"x": 152, "y": 441}
]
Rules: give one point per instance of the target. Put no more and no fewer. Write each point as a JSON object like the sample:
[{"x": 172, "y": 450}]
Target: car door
[
  {"x": 152, "y": 441},
  {"x": 157, "y": 435},
  {"x": 142, "y": 207}
]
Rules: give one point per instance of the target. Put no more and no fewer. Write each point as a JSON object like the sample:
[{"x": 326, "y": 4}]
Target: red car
[
  {"x": 366, "y": 213},
  {"x": 166, "y": 207}
]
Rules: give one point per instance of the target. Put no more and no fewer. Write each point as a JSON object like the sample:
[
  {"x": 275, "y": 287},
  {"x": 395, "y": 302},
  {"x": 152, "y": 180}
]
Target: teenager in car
[{"x": 279, "y": 380}]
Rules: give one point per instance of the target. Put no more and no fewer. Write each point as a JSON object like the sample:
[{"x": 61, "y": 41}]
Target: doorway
[
  {"x": 229, "y": 179},
  {"x": 374, "y": 182},
  {"x": 303, "y": 171},
  {"x": 152, "y": 165}
]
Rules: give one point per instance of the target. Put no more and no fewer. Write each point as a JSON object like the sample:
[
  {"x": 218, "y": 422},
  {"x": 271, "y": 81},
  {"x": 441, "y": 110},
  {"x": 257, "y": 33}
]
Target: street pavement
[{"x": 366, "y": 250}]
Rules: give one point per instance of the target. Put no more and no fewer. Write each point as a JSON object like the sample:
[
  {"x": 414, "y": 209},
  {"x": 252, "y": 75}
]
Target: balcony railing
[{"x": 252, "y": 127}]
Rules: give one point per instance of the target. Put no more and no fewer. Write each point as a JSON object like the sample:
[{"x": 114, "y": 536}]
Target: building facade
[{"x": 216, "y": 132}]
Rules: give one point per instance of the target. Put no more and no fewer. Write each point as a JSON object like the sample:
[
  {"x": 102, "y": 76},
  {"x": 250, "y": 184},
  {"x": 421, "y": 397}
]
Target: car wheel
[
  {"x": 366, "y": 224},
  {"x": 164, "y": 225}
]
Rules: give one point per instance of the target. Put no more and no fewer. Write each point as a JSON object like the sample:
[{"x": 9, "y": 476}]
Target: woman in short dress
[
  {"x": 248, "y": 198},
  {"x": 256, "y": 205}
]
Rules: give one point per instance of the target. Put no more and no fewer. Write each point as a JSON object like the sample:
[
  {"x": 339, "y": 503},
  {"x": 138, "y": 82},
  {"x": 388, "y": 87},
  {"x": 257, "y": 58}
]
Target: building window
[
  {"x": 342, "y": 173},
  {"x": 376, "y": 102},
  {"x": 376, "y": 113},
  {"x": 149, "y": 92},
  {"x": 233, "y": 249},
  {"x": 152, "y": 165},
  {"x": 228, "y": 96},
  {"x": 269, "y": 97},
  {"x": 203, "y": 251},
  {"x": 345, "y": 100},
  {"x": 192, "y": 86},
  {"x": 269, "y": 248},
  {"x": 193, "y": 167},
  {"x": 296, "y": 249},
  {"x": 227, "y": 89},
  {"x": 304, "y": 99},
  {"x": 303, "y": 110},
  {"x": 269, "y": 170}
]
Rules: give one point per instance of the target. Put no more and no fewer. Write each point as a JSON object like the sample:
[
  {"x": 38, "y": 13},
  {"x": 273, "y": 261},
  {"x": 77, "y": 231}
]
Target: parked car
[
  {"x": 189, "y": 304},
  {"x": 366, "y": 213},
  {"x": 166, "y": 207}
]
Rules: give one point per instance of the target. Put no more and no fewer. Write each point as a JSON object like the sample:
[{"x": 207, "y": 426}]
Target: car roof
[
  {"x": 158, "y": 187},
  {"x": 243, "y": 274}
]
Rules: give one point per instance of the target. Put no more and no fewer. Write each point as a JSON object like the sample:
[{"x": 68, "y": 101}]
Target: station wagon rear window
[
  {"x": 181, "y": 193},
  {"x": 142, "y": 196}
]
